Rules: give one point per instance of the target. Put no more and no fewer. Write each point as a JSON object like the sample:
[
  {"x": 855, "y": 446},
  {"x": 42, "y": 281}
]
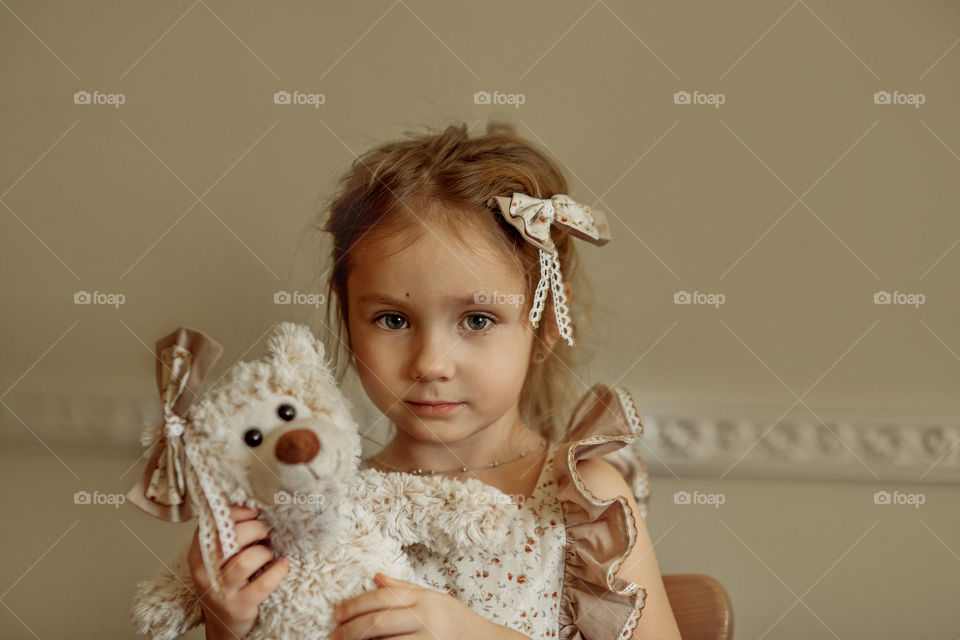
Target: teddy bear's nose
[{"x": 297, "y": 445}]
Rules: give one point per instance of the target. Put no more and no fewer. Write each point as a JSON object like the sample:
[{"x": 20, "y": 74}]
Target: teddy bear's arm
[
  {"x": 166, "y": 607},
  {"x": 441, "y": 513}
]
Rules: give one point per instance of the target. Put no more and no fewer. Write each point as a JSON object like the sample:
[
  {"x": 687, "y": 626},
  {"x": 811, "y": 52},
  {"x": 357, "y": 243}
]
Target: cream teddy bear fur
[{"x": 338, "y": 525}]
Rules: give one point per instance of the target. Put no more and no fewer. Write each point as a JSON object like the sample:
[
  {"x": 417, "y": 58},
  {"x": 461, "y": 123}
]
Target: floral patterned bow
[
  {"x": 533, "y": 217},
  {"x": 176, "y": 484}
]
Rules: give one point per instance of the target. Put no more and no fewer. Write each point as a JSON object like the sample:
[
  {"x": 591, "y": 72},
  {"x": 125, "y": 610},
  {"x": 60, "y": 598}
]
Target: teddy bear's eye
[
  {"x": 286, "y": 412},
  {"x": 253, "y": 437}
]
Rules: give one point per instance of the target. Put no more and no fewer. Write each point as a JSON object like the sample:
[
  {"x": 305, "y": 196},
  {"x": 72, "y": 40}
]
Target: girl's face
[{"x": 433, "y": 322}]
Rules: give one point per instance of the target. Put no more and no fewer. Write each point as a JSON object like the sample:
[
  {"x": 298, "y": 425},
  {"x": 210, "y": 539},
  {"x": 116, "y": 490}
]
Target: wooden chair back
[{"x": 700, "y": 605}]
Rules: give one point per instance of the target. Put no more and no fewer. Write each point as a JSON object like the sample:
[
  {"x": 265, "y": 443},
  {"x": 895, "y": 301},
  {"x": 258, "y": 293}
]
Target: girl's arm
[{"x": 640, "y": 566}]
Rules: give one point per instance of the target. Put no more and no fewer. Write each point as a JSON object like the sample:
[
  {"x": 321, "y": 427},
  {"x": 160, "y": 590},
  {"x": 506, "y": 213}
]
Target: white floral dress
[{"x": 554, "y": 576}]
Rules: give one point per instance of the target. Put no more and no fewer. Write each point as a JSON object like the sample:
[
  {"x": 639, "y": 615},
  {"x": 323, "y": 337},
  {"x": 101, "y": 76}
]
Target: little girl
[{"x": 452, "y": 265}]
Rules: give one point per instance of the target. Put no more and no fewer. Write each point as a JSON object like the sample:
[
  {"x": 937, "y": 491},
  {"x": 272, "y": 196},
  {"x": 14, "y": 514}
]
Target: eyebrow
[{"x": 380, "y": 298}]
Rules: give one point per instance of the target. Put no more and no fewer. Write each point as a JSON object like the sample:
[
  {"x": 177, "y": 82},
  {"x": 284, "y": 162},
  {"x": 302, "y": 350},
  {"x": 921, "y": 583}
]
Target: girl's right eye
[{"x": 391, "y": 319}]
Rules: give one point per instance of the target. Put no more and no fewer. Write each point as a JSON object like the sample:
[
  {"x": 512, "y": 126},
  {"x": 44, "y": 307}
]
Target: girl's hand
[
  {"x": 233, "y": 612},
  {"x": 403, "y": 609}
]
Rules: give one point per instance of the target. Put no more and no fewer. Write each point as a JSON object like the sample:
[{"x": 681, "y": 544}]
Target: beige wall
[{"x": 704, "y": 199}]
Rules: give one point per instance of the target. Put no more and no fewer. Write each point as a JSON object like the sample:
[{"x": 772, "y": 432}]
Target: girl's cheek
[
  {"x": 368, "y": 346},
  {"x": 372, "y": 368}
]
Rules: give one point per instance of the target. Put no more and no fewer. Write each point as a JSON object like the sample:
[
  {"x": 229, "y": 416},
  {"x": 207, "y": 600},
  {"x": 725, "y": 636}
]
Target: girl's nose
[{"x": 432, "y": 358}]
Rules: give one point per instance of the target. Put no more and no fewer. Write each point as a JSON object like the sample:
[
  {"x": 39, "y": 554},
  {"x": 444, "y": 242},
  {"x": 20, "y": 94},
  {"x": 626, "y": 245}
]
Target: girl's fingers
[
  {"x": 195, "y": 559},
  {"x": 240, "y": 513},
  {"x": 383, "y": 580},
  {"x": 373, "y": 600},
  {"x": 379, "y": 624},
  {"x": 263, "y": 585},
  {"x": 237, "y": 570},
  {"x": 250, "y": 531}
]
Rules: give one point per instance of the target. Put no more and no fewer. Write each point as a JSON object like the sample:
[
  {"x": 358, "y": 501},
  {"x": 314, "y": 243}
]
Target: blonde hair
[{"x": 449, "y": 179}]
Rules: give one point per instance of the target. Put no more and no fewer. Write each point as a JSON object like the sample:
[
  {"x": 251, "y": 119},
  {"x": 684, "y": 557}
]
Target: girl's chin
[{"x": 433, "y": 431}]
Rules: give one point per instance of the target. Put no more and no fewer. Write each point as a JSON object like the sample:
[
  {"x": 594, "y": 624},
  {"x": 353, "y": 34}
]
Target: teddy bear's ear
[{"x": 295, "y": 343}]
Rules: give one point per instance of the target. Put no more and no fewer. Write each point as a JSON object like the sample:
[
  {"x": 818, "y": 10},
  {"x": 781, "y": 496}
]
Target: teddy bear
[{"x": 277, "y": 434}]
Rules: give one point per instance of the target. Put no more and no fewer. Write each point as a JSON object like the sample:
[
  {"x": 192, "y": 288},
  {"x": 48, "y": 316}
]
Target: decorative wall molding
[
  {"x": 918, "y": 449},
  {"x": 908, "y": 449}
]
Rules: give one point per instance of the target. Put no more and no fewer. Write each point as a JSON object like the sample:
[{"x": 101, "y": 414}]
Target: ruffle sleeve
[{"x": 594, "y": 603}]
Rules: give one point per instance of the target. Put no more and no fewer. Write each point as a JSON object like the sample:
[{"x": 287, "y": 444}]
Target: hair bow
[
  {"x": 533, "y": 217},
  {"x": 176, "y": 483}
]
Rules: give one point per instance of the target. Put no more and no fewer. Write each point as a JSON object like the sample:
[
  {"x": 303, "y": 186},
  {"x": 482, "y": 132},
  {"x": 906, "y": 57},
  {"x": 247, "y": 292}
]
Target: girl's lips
[{"x": 432, "y": 410}]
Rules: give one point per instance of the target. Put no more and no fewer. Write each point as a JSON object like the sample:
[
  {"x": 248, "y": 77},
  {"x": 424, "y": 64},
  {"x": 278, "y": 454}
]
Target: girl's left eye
[{"x": 488, "y": 322}]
